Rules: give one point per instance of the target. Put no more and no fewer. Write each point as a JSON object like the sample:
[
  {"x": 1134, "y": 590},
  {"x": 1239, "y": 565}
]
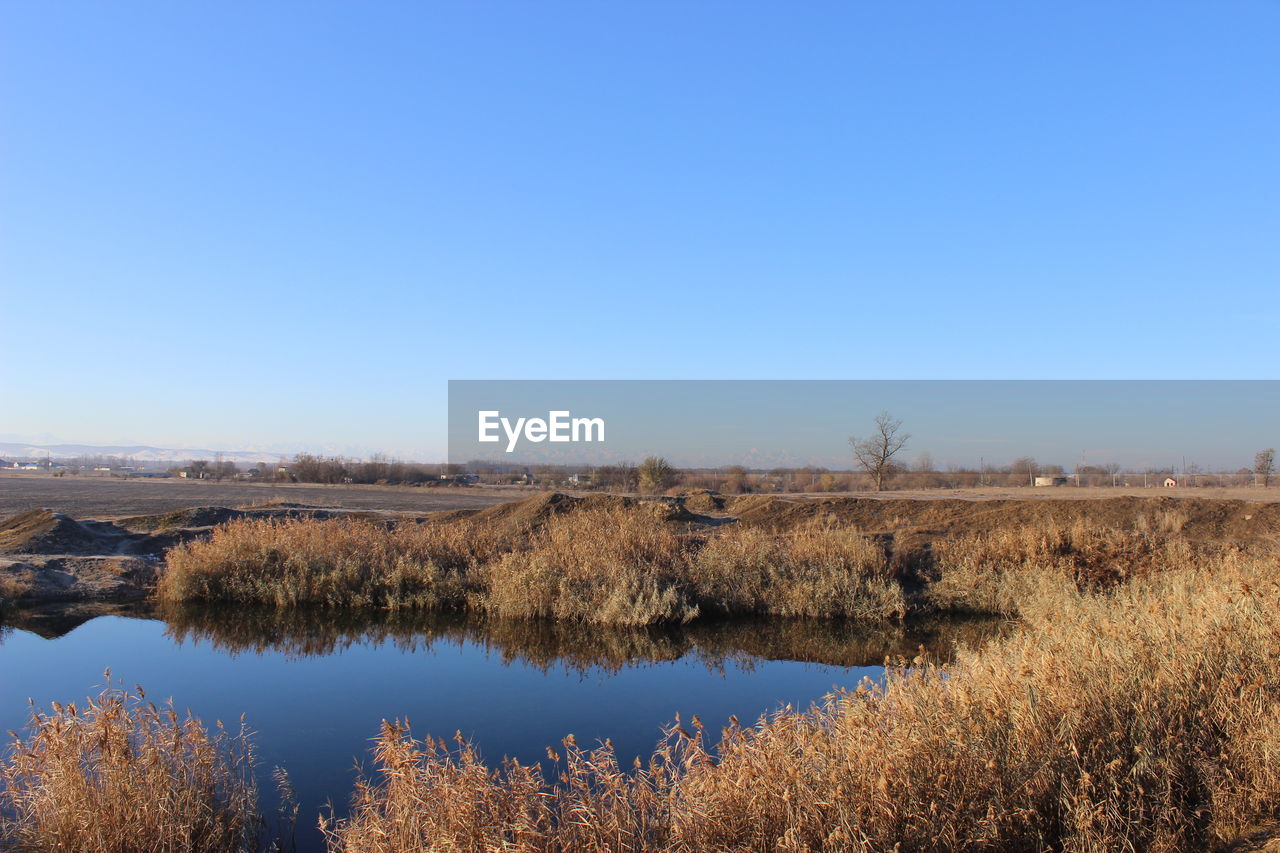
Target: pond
[{"x": 314, "y": 686}]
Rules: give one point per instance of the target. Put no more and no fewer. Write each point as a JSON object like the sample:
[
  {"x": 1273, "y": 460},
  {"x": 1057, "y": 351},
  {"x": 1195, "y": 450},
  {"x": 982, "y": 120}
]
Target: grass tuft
[{"x": 123, "y": 775}]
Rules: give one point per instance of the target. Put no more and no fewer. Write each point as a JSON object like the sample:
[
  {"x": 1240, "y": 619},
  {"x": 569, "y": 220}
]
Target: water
[{"x": 315, "y": 687}]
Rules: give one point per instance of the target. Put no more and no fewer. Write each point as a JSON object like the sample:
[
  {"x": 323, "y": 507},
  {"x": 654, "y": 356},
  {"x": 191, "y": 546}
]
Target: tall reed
[
  {"x": 330, "y": 562},
  {"x": 122, "y": 775}
]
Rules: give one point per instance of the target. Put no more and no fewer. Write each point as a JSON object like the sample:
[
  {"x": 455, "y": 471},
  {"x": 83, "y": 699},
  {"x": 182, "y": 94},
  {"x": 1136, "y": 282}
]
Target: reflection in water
[
  {"x": 584, "y": 648},
  {"x": 315, "y": 684}
]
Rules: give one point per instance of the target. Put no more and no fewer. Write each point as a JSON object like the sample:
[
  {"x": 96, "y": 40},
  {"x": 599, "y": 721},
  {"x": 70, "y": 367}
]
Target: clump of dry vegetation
[
  {"x": 999, "y": 571},
  {"x": 338, "y": 562},
  {"x": 610, "y": 563},
  {"x": 817, "y": 569},
  {"x": 122, "y": 775},
  {"x": 1140, "y": 717},
  {"x": 626, "y": 563},
  {"x": 613, "y": 565}
]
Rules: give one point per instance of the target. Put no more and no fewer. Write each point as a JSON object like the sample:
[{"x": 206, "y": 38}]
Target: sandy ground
[{"x": 105, "y": 497}]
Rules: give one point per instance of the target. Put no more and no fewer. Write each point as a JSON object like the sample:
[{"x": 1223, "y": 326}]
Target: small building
[
  {"x": 1170, "y": 483},
  {"x": 1051, "y": 481}
]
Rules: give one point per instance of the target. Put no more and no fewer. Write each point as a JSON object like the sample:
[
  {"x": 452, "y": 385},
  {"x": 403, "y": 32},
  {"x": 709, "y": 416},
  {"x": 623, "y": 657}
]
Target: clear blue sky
[{"x": 288, "y": 224}]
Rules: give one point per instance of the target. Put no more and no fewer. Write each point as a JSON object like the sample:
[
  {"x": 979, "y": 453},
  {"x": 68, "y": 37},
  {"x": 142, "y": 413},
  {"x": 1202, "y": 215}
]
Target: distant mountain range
[{"x": 137, "y": 453}]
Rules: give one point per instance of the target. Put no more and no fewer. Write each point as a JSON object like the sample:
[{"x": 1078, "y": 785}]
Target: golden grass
[
  {"x": 621, "y": 565},
  {"x": 611, "y": 565},
  {"x": 1139, "y": 717},
  {"x": 346, "y": 562},
  {"x": 818, "y": 570},
  {"x": 998, "y": 571},
  {"x": 121, "y": 775},
  {"x": 631, "y": 565}
]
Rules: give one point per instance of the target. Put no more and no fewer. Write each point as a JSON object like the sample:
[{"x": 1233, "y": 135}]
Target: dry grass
[
  {"x": 999, "y": 571},
  {"x": 341, "y": 562},
  {"x": 603, "y": 564},
  {"x": 631, "y": 564},
  {"x": 818, "y": 570},
  {"x": 611, "y": 565},
  {"x": 1140, "y": 717},
  {"x": 121, "y": 775}
]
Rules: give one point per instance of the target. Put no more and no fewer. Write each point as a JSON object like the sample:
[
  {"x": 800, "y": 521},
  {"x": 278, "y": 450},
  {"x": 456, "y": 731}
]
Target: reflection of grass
[
  {"x": 121, "y": 775},
  {"x": 631, "y": 565},
  {"x": 1131, "y": 716},
  {"x": 305, "y": 632}
]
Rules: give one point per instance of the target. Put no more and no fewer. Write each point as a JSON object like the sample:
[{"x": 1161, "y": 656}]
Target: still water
[{"x": 314, "y": 688}]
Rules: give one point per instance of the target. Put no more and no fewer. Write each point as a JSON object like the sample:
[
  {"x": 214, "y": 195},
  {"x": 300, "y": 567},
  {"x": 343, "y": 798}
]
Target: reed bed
[
  {"x": 816, "y": 570},
  {"x": 122, "y": 775},
  {"x": 1138, "y": 717},
  {"x": 610, "y": 565},
  {"x": 630, "y": 565},
  {"x": 1000, "y": 571},
  {"x": 344, "y": 562}
]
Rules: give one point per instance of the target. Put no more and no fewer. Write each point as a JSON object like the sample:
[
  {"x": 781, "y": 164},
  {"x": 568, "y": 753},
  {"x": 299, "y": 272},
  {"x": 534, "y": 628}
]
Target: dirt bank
[{"x": 48, "y": 556}]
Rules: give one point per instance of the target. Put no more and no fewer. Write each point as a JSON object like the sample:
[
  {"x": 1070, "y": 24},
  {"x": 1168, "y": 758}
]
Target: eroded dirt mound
[
  {"x": 78, "y": 578},
  {"x": 531, "y": 513},
  {"x": 704, "y": 501},
  {"x": 42, "y": 531},
  {"x": 197, "y": 516},
  {"x": 203, "y": 517}
]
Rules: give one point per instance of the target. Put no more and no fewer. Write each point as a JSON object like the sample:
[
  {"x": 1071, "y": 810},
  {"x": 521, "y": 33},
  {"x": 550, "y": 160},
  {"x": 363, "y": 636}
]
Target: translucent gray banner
[{"x": 785, "y": 423}]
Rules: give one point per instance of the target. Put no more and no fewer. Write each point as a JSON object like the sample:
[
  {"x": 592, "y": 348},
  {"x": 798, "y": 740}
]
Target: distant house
[
  {"x": 1170, "y": 483},
  {"x": 1051, "y": 481},
  {"x": 579, "y": 479}
]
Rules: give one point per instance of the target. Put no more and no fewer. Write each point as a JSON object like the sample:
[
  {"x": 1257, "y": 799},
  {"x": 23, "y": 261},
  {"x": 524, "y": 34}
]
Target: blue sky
[{"x": 289, "y": 224}]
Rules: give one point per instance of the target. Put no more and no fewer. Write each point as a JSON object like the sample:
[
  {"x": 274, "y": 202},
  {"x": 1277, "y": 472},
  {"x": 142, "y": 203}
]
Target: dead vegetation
[
  {"x": 122, "y": 775},
  {"x": 610, "y": 560},
  {"x": 1137, "y": 718}
]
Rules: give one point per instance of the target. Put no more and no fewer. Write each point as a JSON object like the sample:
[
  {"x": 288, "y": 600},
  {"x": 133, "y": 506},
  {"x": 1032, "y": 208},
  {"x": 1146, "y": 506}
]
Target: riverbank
[{"x": 610, "y": 560}]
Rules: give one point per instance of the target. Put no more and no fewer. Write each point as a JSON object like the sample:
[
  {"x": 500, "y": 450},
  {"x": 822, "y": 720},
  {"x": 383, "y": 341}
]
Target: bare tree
[
  {"x": 1023, "y": 471},
  {"x": 875, "y": 453},
  {"x": 1264, "y": 465}
]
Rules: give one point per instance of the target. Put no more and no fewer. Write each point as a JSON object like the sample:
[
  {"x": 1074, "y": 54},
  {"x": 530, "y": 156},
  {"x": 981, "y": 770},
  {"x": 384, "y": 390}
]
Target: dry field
[{"x": 107, "y": 497}]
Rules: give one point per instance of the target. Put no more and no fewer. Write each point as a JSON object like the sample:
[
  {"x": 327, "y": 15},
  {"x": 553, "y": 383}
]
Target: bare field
[{"x": 103, "y": 497}]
